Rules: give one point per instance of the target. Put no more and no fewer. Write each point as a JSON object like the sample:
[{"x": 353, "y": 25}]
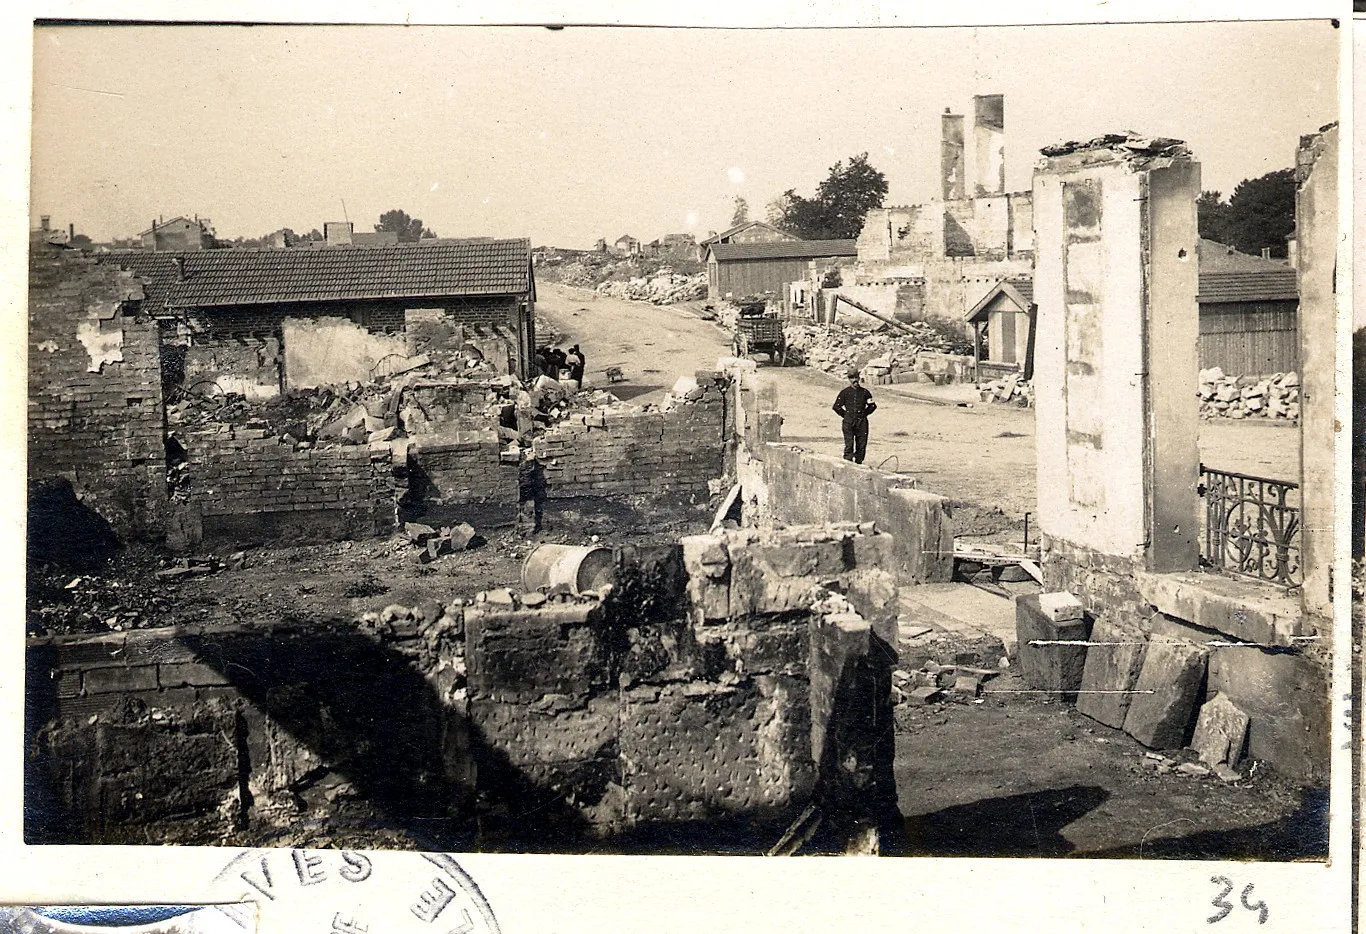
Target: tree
[
  {"x": 409, "y": 229},
  {"x": 842, "y": 200},
  {"x": 1261, "y": 213},
  {"x": 741, "y": 213},
  {"x": 1212, "y": 216}
]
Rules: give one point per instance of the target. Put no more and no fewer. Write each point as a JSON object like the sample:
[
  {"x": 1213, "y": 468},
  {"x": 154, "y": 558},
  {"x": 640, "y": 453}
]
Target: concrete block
[
  {"x": 1113, "y": 662},
  {"x": 1246, "y": 610},
  {"x": 1049, "y": 667},
  {"x": 1220, "y": 732},
  {"x": 1060, "y": 606},
  {"x": 1166, "y": 694}
]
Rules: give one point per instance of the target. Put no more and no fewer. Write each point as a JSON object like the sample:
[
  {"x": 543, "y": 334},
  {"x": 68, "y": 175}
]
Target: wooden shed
[
  {"x": 751, "y": 268},
  {"x": 1007, "y": 310},
  {"x": 1249, "y": 312}
]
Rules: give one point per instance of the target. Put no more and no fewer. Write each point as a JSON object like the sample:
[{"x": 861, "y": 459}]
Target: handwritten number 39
[{"x": 1225, "y": 907}]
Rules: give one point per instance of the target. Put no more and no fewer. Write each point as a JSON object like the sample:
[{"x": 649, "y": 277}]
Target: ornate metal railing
[{"x": 1252, "y": 525}]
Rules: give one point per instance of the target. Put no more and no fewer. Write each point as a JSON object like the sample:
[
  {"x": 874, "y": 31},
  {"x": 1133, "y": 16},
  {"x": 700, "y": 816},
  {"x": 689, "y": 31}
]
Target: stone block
[
  {"x": 1166, "y": 694},
  {"x": 1113, "y": 662},
  {"x": 1048, "y": 666},
  {"x": 1059, "y": 606},
  {"x": 1286, "y": 698},
  {"x": 192, "y": 674},
  {"x": 115, "y": 680},
  {"x": 1220, "y": 732},
  {"x": 1242, "y": 609},
  {"x": 707, "y": 563}
]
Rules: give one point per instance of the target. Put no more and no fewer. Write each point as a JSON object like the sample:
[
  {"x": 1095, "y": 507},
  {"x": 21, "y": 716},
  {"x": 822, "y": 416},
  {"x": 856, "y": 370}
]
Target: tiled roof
[
  {"x": 1218, "y": 257},
  {"x": 1020, "y": 292},
  {"x": 1271, "y": 285},
  {"x": 783, "y": 249},
  {"x": 251, "y": 277},
  {"x": 745, "y": 226}
]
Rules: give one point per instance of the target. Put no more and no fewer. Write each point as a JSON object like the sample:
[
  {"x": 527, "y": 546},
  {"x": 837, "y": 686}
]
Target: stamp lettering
[
  {"x": 306, "y": 865},
  {"x": 264, "y": 885},
  {"x": 430, "y": 904},
  {"x": 347, "y": 925},
  {"x": 357, "y": 868}
]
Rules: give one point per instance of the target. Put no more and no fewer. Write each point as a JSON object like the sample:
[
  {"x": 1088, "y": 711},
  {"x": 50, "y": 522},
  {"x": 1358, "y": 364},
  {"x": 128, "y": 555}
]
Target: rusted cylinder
[{"x": 579, "y": 567}]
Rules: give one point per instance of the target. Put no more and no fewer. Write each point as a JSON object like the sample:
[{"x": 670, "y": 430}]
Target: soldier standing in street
[{"x": 854, "y": 404}]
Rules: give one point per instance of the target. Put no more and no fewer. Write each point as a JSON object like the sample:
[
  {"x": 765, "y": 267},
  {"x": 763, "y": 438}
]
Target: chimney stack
[
  {"x": 45, "y": 223},
  {"x": 1266, "y": 252},
  {"x": 70, "y": 231},
  {"x": 179, "y": 262},
  {"x": 953, "y": 182},
  {"x": 989, "y": 143}
]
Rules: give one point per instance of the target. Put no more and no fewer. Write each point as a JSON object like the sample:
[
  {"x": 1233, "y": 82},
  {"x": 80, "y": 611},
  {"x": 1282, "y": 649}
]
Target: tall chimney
[
  {"x": 1266, "y": 252},
  {"x": 71, "y": 231},
  {"x": 952, "y": 169},
  {"x": 989, "y": 143},
  {"x": 179, "y": 262}
]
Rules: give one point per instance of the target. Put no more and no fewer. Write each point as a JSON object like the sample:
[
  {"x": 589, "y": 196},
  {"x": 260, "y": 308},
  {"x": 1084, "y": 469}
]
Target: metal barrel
[{"x": 579, "y": 567}]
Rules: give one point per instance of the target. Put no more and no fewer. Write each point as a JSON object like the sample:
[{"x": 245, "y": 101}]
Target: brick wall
[
  {"x": 717, "y": 683},
  {"x": 243, "y": 486},
  {"x": 619, "y": 453},
  {"x": 205, "y": 734},
  {"x": 460, "y": 477},
  {"x": 95, "y": 403}
]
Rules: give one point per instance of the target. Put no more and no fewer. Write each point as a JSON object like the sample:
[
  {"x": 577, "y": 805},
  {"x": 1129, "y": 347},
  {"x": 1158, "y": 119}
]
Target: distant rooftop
[{"x": 783, "y": 249}]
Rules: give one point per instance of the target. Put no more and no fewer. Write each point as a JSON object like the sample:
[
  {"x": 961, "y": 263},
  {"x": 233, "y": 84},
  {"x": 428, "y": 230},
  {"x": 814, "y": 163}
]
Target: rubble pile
[
  {"x": 883, "y": 356},
  {"x": 663, "y": 288},
  {"x": 1012, "y": 389},
  {"x": 1276, "y": 396},
  {"x": 434, "y": 543}
]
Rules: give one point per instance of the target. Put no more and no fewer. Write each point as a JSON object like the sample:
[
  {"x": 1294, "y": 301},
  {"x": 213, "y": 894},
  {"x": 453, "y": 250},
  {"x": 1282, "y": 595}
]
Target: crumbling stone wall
[
  {"x": 94, "y": 389},
  {"x": 247, "y": 486},
  {"x": 613, "y": 453},
  {"x": 733, "y": 677}
]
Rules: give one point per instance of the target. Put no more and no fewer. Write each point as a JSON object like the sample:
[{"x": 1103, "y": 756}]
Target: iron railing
[{"x": 1252, "y": 525}]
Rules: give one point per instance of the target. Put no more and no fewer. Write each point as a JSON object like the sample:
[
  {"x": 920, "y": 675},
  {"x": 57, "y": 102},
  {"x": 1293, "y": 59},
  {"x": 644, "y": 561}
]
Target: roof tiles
[
  {"x": 253, "y": 277},
  {"x": 783, "y": 249}
]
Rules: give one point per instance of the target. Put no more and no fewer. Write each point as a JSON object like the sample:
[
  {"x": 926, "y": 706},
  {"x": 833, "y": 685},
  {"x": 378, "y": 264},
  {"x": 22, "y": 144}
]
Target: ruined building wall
[
  {"x": 461, "y": 477},
  {"x": 614, "y": 453},
  {"x": 718, "y": 681},
  {"x": 246, "y": 486},
  {"x": 94, "y": 389}
]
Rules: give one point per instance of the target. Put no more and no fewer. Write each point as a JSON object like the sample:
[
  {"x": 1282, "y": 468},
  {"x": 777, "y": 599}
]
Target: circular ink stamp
[{"x": 350, "y": 892}]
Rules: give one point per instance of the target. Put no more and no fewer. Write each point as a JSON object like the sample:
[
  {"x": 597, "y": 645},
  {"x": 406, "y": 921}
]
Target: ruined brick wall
[
  {"x": 719, "y": 682},
  {"x": 799, "y": 487},
  {"x": 94, "y": 379},
  {"x": 245, "y": 486},
  {"x": 711, "y": 686},
  {"x": 609, "y": 453},
  {"x": 204, "y": 735},
  {"x": 461, "y": 477}
]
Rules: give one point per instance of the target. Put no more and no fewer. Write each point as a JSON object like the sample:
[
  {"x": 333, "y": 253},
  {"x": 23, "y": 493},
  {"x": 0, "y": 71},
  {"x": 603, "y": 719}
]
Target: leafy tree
[
  {"x": 409, "y": 229},
  {"x": 314, "y": 234},
  {"x": 741, "y": 213},
  {"x": 81, "y": 242},
  {"x": 1212, "y": 216},
  {"x": 1261, "y": 213},
  {"x": 842, "y": 200}
]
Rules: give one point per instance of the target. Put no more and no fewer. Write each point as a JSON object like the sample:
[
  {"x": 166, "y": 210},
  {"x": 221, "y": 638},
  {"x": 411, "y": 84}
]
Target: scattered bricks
[
  {"x": 1165, "y": 694},
  {"x": 116, "y": 680},
  {"x": 1113, "y": 662},
  {"x": 1220, "y": 732},
  {"x": 1044, "y": 664}
]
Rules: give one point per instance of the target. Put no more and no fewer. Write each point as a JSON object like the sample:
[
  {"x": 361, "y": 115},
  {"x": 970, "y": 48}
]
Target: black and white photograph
[{"x": 578, "y": 439}]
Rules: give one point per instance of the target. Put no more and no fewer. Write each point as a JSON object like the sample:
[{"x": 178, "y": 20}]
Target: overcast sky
[{"x": 565, "y": 136}]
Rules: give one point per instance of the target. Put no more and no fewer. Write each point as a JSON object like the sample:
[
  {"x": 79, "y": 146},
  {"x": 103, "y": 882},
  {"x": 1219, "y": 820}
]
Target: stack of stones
[{"x": 1276, "y": 396}]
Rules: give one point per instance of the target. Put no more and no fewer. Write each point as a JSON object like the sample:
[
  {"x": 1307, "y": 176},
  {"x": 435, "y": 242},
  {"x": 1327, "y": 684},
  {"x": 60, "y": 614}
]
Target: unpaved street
[{"x": 982, "y": 454}]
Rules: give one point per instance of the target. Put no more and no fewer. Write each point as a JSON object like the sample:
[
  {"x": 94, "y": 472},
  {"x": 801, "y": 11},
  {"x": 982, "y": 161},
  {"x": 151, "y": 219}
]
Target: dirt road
[{"x": 982, "y": 455}]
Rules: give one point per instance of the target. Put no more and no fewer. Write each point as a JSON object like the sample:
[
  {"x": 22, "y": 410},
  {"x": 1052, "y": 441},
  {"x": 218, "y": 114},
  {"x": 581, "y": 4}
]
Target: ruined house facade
[
  {"x": 938, "y": 258},
  {"x": 179, "y": 234}
]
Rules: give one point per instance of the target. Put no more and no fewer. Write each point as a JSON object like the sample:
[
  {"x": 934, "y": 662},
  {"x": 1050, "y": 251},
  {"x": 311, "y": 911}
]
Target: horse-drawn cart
[{"x": 756, "y": 331}]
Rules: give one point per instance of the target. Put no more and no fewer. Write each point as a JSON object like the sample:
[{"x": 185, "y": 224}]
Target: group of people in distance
[{"x": 561, "y": 365}]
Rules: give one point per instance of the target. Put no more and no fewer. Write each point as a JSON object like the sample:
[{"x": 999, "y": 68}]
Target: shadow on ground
[{"x": 1028, "y": 824}]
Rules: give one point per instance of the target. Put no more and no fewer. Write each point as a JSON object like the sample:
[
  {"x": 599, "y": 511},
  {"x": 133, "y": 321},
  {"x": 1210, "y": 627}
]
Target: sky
[{"x": 568, "y": 135}]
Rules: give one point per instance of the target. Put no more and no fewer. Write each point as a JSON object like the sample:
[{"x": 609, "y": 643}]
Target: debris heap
[
  {"x": 1276, "y": 396},
  {"x": 663, "y": 288}
]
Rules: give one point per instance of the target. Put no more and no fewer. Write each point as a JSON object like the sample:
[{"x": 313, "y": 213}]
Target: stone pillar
[
  {"x": 1115, "y": 363},
  {"x": 952, "y": 167},
  {"x": 989, "y": 144},
  {"x": 1316, "y": 232}
]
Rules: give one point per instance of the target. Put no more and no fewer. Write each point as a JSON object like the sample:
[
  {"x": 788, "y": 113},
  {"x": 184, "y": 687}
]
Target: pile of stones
[{"x": 1222, "y": 396}]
